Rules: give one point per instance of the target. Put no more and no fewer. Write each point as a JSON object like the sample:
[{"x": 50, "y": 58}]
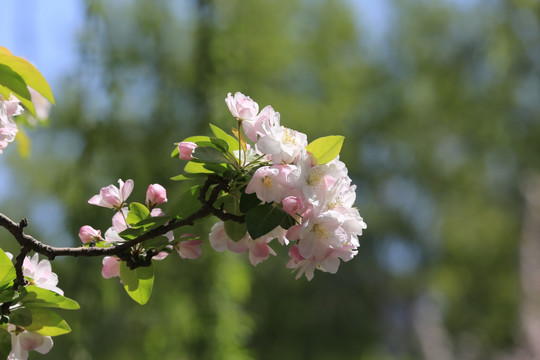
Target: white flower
[
  {"x": 23, "y": 341},
  {"x": 284, "y": 145},
  {"x": 41, "y": 273}
]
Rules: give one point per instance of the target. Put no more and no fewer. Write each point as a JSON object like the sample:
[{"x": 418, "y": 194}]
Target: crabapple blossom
[
  {"x": 189, "y": 249},
  {"x": 270, "y": 183},
  {"x": 155, "y": 195},
  {"x": 256, "y": 126},
  {"x": 113, "y": 197},
  {"x": 111, "y": 267},
  {"x": 293, "y": 204},
  {"x": 284, "y": 145},
  {"x": 220, "y": 241},
  {"x": 185, "y": 149},
  {"x": 23, "y": 341},
  {"x": 241, "y": 106},
  {"x": 88, "y": 234},
  {"x": 8, "y": 128},
  {"x": 41, "y": 273},
  {"x": 321, "y": 232}
]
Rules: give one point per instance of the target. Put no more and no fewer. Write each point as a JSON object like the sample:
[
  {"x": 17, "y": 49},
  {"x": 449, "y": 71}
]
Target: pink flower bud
[
  {"x": 155, "y": 195},
  {"x": 89, "y": 234},
  {"x": 185, "y": 149},
  {"x": 111, "y": 267},
  {"x": 293, "y": 204},
  {"x": 190, "y": 249}
]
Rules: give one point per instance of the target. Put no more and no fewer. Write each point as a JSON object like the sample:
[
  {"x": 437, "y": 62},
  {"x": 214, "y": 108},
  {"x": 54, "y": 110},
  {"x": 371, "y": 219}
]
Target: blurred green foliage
[{"x": 440, "y": 116}]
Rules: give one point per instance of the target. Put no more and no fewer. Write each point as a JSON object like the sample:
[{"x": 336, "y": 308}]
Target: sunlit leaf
[
  {"x": 38, "y": 297},
  {"x": 32, "y": 77},
  {"x": 231, "y": 141},
  {"x": 7, "y": 270},
  {"x": 138, "y": 283},
  {"x": 137, "y": 212},
  {"x": 47, "y": 322},
  {"x": 12, "y": 83},
  {"x": 325, "y": 149}
]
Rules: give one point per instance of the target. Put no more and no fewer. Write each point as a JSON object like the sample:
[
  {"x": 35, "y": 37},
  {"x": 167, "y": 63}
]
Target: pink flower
[
  {"x": 113, "y": 197},
  {"x": 155, "y": 195},
  {"x": 270, "y": 183},
  {"x": 220, "y": 241},
  {"x": 189, "y": 249},
  {"x": 283, "y": 144},
  {"x": 41, "y": 273},
  {"x": 241, "y": 106},
  {"x": 185, "y": 149},
  {"x": 8, "y": 128},
  {"x": 89, "y": 234},
  {"x": 111, "y": 267},
  {"x": 293, "y": 205},
  {"x": 23, "y": 341},
  {"x": 256, "y": 126}
]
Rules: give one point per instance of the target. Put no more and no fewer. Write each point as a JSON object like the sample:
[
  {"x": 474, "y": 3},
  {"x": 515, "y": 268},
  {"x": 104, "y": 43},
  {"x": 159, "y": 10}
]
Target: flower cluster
[
  {"x": 8, "y": 128},
  {"x": 315, "y": 191},
  {"x": 37, "y": 273},
  {"x": 115, "y": 198}
]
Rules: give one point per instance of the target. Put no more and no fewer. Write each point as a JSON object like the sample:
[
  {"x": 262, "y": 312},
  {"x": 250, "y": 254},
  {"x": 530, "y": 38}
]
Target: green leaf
[
  {"x": 7, "y": 295},
  {"x": 38, "y": 297},
  {"x": 186, "y": 204},
  {"x": 130, "y": 233},
  {"x": 137, "y": 212},
  {"x": 21, "y": 317},
  {"x": 248, "y": 202},
  {"x": 188, "y": 177},
  {"x": 32, "y": 77},
  {"x": 231, "y": 141},
  {"x": 235, "y": 230},
  {"x": 138, "y": 282},
  {"x": 151, "y": 222},
  {"x": 7, "y": 270},
  {"x": 266, "y": 217},
  {"x": 325, "y": 149},
  {"x": 47, "y": 323},
  {"x": 193, "y": 167},
  {"x": 156, "y": 242},
  {"x": 12, "y": 82},
  {"x": 210, "y": 155},
  {"x": 5, "y": 343}
]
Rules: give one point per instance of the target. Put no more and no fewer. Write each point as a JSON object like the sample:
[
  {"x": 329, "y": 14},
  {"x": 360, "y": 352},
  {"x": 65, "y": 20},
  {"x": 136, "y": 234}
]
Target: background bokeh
[{"x": 439, "y": 102}]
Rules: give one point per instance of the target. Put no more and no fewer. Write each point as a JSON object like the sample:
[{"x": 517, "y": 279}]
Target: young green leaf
[
  {"x": 7, "y": 270},
  {"x": 325, "y": 149},
  {"x": 47, "y": 323},
  {"x": 248, "y": 202},
  {"x": 38, "y": 297},
  {"x": 12, "y": 83},
  {"x": 137, "y": 212},
  {"x": 210, "y": 155},
  {"x": 231, "y": 141},
  {"x": 31, "y": 76},
  {"x": 151, "y": 223},
  {"x": 138, "y": 283}
]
